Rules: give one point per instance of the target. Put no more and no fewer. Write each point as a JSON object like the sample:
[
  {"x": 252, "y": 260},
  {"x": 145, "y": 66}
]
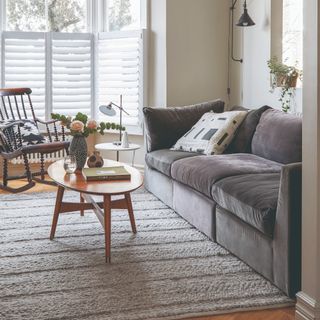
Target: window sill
[{"x": 131, "y": 130}]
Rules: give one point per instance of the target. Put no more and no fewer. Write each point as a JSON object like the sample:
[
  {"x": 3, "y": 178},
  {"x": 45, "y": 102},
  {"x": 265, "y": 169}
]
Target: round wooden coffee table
[{"x": 106, "y": 189}]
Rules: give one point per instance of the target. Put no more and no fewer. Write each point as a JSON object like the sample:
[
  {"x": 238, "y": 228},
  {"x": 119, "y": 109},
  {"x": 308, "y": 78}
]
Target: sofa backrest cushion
[
  {"x": 242, "y": 140},
  {"x": 164, "y": 126},
  {"x": 278, "y": 137}
]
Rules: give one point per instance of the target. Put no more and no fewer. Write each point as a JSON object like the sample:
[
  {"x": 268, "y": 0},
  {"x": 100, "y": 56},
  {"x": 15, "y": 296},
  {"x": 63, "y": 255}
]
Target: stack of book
[{"x": 106, "y": 173}]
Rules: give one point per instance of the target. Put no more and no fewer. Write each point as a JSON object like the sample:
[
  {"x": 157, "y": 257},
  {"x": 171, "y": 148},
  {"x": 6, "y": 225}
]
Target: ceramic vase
[
  {"x": 95, "y": 160},
  {"x": 79, "y": 149},
  {"x": 125, "y": 140}
]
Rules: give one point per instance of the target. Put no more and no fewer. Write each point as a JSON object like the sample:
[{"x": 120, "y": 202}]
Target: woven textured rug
[{"x": 168, "y": 270}]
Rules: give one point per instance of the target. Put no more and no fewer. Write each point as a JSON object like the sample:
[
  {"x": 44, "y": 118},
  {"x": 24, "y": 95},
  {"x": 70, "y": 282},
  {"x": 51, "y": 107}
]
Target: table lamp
[{"x": 110, "y": 111}]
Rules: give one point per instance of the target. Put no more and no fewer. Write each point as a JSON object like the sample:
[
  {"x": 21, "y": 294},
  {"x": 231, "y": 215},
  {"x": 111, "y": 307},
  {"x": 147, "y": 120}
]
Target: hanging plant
[{"x": 285, "y": 77}]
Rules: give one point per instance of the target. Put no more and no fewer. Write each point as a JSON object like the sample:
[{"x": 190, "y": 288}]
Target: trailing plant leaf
[
  {"x": 83, "y": 118},
  {"x": 285, "y": 77}
]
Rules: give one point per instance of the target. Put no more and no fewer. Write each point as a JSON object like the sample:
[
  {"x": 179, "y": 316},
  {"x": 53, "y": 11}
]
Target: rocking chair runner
[{"x": 17, "y": 115}]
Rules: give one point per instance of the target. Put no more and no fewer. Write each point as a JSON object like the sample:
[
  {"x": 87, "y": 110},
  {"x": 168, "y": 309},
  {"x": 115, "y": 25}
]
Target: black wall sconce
[{"x": 244, "y": 21}]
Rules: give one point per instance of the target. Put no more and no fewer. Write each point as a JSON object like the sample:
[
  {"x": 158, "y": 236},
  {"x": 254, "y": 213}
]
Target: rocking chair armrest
[
  {"x": 46, "y": 122},
  {"x": 14, "y": 123},
  {"x": 11, "y": 155}
]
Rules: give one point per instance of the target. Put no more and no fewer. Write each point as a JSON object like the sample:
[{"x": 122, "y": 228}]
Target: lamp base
[{"x": 116, "y": 143}]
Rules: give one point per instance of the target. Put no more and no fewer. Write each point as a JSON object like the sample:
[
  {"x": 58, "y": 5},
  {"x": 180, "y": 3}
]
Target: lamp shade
[
  {"x": 245, "y": 20},
  {"x": 107, "y": 110}
]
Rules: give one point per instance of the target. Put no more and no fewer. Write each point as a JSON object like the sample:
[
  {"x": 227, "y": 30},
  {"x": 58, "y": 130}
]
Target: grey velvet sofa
[{"x": 249, "y": 199}]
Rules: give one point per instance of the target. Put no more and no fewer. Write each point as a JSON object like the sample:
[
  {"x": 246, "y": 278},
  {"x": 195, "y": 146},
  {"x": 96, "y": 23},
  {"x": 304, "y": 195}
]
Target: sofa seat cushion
[
  {"x": 201, "y": 172},
  {"x": 251, "y": 197},
  {"x": 161, "y": 160}
]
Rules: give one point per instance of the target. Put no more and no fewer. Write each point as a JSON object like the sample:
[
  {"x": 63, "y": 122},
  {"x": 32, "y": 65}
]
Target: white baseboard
[{"x": 307, "y": 308}]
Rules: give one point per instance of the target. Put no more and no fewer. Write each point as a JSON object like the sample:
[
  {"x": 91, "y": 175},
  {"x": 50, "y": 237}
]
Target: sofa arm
[
  {"x": 287, "y": 232},
  {"x": 164, "y": 126}
]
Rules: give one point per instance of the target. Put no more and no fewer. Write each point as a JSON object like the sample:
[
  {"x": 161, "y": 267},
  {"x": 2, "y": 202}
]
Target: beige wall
[{"x": 197, "y": 51}]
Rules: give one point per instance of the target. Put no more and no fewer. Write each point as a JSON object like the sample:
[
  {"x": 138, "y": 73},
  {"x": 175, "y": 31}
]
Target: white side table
[{"x": 109, "y": 146}]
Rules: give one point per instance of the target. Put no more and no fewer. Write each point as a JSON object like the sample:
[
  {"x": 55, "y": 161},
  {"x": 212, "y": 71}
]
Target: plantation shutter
[
  {"x": 71, "y": 73},
  {"x": 68, "y": 74},
  {"x": 24, "y": 65},
  {"x": 120, "y": 71}
]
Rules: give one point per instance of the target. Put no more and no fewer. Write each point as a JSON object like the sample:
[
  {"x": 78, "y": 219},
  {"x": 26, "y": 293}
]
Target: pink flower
[
  {"x": 77, "y": 126},
  {"x": 92, "y": 124}
]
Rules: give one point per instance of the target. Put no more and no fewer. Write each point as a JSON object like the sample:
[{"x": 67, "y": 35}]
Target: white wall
[
  {"x": 157, "y": 66},
  {"x": 257, "y": 42},
  {"x": 309, "y": 298}
]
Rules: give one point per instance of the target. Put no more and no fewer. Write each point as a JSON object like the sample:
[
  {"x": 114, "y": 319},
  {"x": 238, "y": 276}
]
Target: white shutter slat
[
  {"x": 71, "y": 57},
  {"x": 71, "y": 98},
  {"x": 71, "y": 74},
  {"x": 24, "y": 65},
  {"x": 71, "y": 64},
  {"x": 71, "y": 70},
  {"x": 26, "y": 48},
  {"x": 72, "y": 91},
  {"x": 70, "y": 84},
  {"x": 118, "y": 63}
]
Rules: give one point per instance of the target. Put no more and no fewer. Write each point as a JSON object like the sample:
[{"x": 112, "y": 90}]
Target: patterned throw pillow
[
  {"x": 30, "y": 133},
  {"x": 212, "y": 133}
]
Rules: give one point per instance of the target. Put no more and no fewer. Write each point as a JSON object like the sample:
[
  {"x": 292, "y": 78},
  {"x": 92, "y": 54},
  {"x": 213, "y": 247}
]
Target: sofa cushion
[
  {"x": 278, "y": 137},
  {"x": 201, "y": 172},
  {"x": 212, "y": 133},
  {"x": 164, "y": 126},
  {"x": 251, "y": 197},
  {"x": 161, "y": 160},
  {"x": 242, "y": 140}
]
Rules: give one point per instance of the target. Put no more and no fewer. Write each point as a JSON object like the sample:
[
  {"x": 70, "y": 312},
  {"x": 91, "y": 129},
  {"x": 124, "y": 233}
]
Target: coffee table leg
[
  {"x": 130, "y": 211},
  {"x": 56, "y": 211},
  {"x": 107, "y": 226},
  {"x": 81, "y": 201}
]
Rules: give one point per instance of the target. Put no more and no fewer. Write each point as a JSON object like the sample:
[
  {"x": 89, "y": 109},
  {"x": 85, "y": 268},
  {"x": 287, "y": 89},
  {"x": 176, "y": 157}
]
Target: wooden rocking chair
[{"x": 16, "y": 116}]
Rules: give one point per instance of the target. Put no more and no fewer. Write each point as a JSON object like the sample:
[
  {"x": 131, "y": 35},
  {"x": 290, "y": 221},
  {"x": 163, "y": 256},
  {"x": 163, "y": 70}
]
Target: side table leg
[
  {"x": 56, "y": 211},
  {"x": 107, "y": 226},
  {"x": 81, "y": 201},
  {"x": 133, "y": 156},
  {"x": 130, "y": 211}
]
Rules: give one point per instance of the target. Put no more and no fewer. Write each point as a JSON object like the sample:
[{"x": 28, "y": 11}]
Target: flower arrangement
[
  {"x": 80, "y": 125},
  {"x": 285, "y": 77}
]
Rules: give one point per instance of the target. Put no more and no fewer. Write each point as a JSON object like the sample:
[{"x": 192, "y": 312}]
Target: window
[
  {"x": 123, "y": 15},
  {"x": 292, "y": 40},
  {"x": 46, "y": 47},
  {"x": 46, "y": 15}
]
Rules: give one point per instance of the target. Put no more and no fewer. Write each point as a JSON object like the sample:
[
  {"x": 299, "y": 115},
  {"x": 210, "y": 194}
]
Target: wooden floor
[{"x": 276, "y": 314}]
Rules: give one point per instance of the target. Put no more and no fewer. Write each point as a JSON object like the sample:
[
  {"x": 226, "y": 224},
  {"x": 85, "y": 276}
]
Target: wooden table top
[{"x": 77, "y": 182}]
